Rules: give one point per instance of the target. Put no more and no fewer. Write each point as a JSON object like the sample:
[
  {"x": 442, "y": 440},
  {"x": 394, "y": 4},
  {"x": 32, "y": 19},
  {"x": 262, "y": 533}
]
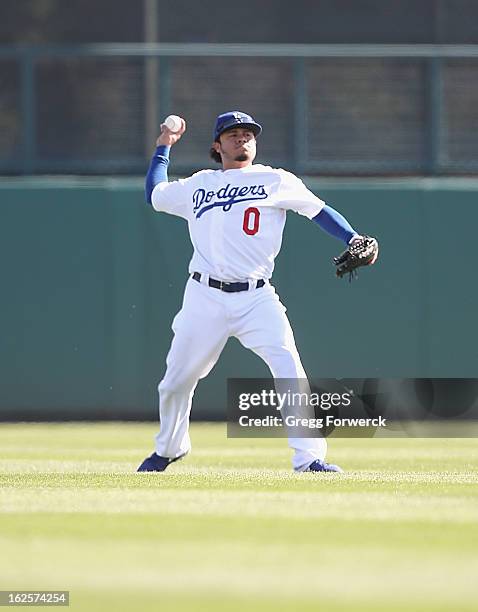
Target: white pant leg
[
  {"x": 264, "y": 328},
  {"x": 200, "y": 333}
]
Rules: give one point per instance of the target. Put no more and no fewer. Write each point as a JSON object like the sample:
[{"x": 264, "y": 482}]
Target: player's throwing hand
[{"x": 167, "y": 137}]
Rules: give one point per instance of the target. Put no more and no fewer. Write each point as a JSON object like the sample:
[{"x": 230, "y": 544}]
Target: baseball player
[{"x": 236, "y": 216}]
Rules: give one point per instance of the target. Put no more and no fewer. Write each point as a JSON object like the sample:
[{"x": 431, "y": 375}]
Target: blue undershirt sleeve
[
  {"x": 335, "y": 224},
  {"x": 157, "y": 171}
]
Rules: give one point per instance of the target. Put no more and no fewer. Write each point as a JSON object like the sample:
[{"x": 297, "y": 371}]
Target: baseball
[{"x": 173, "y": 122}]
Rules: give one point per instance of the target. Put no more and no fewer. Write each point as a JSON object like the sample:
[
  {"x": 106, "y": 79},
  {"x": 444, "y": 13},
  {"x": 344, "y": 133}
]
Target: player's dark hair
[{"x": 213, "y": 154}]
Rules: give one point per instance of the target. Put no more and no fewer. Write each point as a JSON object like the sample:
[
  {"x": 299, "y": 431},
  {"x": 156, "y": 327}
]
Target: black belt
[{"x": 228, "y": 287}]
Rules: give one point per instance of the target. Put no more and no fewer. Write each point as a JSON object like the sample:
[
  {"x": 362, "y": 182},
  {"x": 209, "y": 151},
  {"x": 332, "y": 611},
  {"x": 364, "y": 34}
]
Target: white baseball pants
[{"x": 207, "y": 319}]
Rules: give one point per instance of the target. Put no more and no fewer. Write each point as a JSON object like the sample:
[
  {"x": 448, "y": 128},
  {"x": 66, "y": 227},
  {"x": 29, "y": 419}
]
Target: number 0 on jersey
[{"x": 251, "y": 221}]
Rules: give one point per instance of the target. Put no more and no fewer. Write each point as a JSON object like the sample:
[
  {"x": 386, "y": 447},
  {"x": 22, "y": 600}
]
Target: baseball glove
[{"x": 362, "y": 252}]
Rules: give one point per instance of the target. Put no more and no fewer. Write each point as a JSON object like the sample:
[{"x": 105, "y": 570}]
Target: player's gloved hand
[
  {"x": 167, "y": 137},
  {"x": 358, "y": 238},
  {"x": 362, "y": 251}
]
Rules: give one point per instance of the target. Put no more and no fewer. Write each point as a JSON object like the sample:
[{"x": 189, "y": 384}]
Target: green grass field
[{"x": 232, "y": 528}]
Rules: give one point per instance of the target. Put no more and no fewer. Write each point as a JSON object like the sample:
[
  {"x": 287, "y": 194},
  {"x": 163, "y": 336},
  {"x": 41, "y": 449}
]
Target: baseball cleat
[
  {"x": 156, "y": 463},
  {"x": 321, "y": 466}
]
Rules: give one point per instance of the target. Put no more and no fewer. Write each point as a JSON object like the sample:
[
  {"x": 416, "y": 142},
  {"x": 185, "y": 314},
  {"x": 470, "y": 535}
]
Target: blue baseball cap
[{"x": 233, "y": 119}]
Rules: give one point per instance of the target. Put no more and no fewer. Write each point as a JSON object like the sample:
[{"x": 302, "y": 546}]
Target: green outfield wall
[{"x": 92, "y": 277}]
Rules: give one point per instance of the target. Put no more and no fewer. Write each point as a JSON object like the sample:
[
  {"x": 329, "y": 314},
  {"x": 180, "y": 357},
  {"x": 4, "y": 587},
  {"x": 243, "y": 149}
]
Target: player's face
[{"x": 237, "y": 147}]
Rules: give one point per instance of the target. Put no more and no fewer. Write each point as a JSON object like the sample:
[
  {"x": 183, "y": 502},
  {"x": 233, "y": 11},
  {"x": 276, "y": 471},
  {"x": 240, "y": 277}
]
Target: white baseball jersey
[{"x": 236, "y": 217}]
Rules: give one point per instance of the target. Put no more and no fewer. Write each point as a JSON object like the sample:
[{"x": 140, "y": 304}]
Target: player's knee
[
  {"x": 285, "y": 364},
  {"x": 178, "y": 384}
]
